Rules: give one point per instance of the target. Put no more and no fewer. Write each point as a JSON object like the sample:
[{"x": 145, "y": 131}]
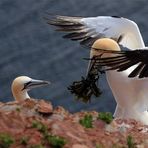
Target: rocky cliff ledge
[{"x": 36, "y": 124}]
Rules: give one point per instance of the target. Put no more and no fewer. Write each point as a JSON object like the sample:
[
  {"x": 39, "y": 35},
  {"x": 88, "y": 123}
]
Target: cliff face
[{"x": 36, "y": 124}]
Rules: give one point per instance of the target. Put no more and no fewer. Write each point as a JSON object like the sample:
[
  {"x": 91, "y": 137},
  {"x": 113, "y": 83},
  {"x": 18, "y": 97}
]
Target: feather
[
  {"x": 75, "y": 36},
  {"x": 127, "y": 65},
  {"x": 136, "y": 71},
  {"x": 144, "y": 72}
]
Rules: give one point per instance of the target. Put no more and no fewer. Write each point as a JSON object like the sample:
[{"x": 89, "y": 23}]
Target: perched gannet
[
  {"x": 126, "y": 33},
  {"x": 21, "y": 85}
]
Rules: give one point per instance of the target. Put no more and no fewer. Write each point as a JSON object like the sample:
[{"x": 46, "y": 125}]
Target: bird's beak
[{"x": 35, "y": 83}]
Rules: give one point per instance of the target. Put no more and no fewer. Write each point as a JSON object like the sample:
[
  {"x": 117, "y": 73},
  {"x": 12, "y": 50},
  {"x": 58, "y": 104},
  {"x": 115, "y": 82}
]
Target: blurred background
[{"x": 29, "y": 46}]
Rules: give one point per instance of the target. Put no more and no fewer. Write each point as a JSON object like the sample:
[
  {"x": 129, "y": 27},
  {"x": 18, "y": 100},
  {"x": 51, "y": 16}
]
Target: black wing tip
[
  {"x": 116, "y": 16},
  {"x": 71, "y": 25},
  {"x": 57, "y": 16}
]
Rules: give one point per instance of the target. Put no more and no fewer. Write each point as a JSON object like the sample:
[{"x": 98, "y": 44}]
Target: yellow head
[
  {"x": 21, "y": 85},
  {"x": 104, "y": 44}
]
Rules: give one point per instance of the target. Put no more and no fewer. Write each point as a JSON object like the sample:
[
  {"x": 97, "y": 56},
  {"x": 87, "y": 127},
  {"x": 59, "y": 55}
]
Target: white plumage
[
  {"x": 22, "y": 84},
  {"x": 115, "y": 27},
  {"x": 130, "y": 94}
]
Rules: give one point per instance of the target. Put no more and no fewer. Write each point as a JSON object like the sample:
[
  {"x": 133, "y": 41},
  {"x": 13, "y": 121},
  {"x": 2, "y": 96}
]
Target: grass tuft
[
  {"x": 5, "y": 140},
  {"x": 87, "y": 121},
  {"x": 106, "y": 117},
  {"x": 40, "y": 126},
  {"x": 37, "y": 146},
  {"x": 24, "y": 140},
  {"x": 56, "y": 141},
  {"x": 130, "y": 142},
  {"x": 53, "y": 140}
]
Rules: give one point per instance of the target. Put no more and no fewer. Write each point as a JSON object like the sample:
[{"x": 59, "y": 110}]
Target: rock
[
  {"x": 79, "y": 146},
  {"x": 99, "y": 124},
  {"x": 17, "y": 118},
  {"x": 44, "y": 107}
]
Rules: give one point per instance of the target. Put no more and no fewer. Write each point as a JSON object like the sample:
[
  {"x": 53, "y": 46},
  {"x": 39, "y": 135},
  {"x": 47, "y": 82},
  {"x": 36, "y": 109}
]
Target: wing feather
[
  {"x": 136, "y": 71},
  {"x": 92, "y": 28},
  {"x": 144, "y": 72},
  {"x": 122, "y": 60}
]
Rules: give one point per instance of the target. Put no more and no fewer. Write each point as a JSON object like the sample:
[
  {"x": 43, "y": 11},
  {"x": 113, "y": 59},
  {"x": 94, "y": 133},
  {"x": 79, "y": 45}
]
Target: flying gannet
[
  {"x": 87, "y": 87},
  {"x": 21, "y": 85},
  {"x": 126, "y": 33},
  {"x": 108, "y": 54}
]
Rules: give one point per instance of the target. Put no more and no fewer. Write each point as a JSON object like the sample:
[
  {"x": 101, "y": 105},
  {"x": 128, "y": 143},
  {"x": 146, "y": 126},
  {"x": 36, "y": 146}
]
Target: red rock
[
  {"x": 79, "y": 146},
  {"x": 16, "y": 119},
  {"x": 44, "y": 107},
  {"x": 99, "y": 124},
  {"x": 28, "y": 103}
]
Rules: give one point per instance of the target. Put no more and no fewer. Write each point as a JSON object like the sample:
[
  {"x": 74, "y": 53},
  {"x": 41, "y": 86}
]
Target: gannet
[
  {"x": 117, "y": 58},
  {"x": 87, "y": 87},
  {"x": 126, "y": 33},
  {"x": 22, "y": 84}
]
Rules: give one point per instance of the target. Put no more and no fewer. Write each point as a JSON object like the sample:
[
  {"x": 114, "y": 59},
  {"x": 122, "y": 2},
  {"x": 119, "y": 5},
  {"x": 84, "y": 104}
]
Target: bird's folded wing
[
  {"x": 122, "y": 60},
  {"x": 87, "y": 30}
]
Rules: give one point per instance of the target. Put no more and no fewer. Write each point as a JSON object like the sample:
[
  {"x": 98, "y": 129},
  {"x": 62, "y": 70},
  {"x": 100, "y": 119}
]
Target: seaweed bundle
[{"x": 88, "y": 86}]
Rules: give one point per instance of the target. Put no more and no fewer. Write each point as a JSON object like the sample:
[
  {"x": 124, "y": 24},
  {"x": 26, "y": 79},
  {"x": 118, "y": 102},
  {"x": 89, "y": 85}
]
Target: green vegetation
[
  {"x": 116, "y": 145},
  {"x": 130, "y": 142},
  {"x": 87, "y": 121},
  {"x": 18, "y": 109},
  {"x": 37, "y": 146},
  {"x": 99, "y": 145},
  {"x": 40, "y": 126},
  {"x": 5, "y": 140},
  {"x": 24, "y": 140},
  {"x": 53, "y": 140},
  {"x": 105, "y": 116},
  {"x": 56, "y": 141}
]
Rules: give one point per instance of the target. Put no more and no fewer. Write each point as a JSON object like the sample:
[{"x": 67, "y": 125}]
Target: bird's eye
[{"x": 26, "y": 84}]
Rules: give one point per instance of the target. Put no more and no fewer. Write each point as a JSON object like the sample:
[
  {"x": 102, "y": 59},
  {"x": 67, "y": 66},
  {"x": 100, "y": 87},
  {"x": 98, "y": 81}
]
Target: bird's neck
[
  {"x": 133, "y": 40},
  {"x": 20, "y": 95}
]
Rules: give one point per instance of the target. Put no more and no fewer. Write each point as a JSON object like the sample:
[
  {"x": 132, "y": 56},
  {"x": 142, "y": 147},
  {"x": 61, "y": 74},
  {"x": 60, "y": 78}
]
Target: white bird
[
  {"x": 87, "y": 87},
  {"x": 126, "y": 33},
  {"x": 108, "y": 53},
  {"x": 21, "y": 85}
]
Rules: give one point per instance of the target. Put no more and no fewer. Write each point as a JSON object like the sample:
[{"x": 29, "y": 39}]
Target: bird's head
[
  {"x": 104, "y": 44},
  {"x": 23, "y": 84}
]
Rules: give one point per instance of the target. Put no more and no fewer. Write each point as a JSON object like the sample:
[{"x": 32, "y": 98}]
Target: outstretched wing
[
  {"x": 87, "y": 30},
  {"x": 122, "y": 60}
]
